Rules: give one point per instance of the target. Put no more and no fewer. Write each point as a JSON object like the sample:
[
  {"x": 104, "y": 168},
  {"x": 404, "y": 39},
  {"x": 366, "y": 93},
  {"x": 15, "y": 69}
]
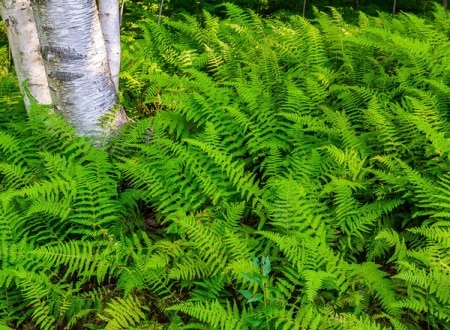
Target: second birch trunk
[
  {"x": 110, "y": 22},
  {"x": 24, "y": 47}
]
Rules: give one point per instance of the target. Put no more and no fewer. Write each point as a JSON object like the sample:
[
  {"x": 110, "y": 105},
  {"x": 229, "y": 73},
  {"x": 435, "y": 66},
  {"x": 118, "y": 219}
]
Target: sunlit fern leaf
[
  {"x": 353, "y": 322},
  {"x": 213, "y": 313},
  {"x": 210, "y": 289},
  {"x": 438, "y": 233},
  {"x": 304, "y": 251},
  {"x": 386, "y": 130},
  {"x": 37, "y": 291},
  {"x": 349, "y": 135},
  {"x": 158, "y": 37},
  {"x": 306, "y": 317},
  {"x": 313, "y": 282},
  {"x": 244, "y": 183},
  {"x": 9, "y": 219},
  {"x": 14, "y": 255},
  {"x": 316, "y": 51},
  {"x": 45, "y": 189},
  {"x": 129, "y": 138},
  {"x": 288, "y": 44},
  {"x": 238, "y": 14},
  {"x": 81, "y": 258},
  {"x": 297, "y": 101},
  {"x": 290, "y": 209},
  {"x": 232, "y": 216},
  {"x": 428, "y": 306},
  {"x": 240, "y": 251},
  {"x": 205, "y": 241},
  {"x": 123, "y": 313},
  {"x": 14, "y": 176},
  {"x": 12, "y": 300},
  {"x": 369, "y": 274},
  {"x": 10, "y": 147},
  {"x": 433, "y": 281},
  {"x": 393, "y": 239}
]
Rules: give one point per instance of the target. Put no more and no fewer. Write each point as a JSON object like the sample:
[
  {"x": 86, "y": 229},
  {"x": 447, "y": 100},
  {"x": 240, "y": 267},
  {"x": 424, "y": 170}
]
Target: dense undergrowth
[
  {"x": 279, "y": 7},
  {"x": 284, "y": 175}
]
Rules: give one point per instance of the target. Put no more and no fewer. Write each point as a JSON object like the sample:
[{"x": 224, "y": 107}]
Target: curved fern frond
[
  {"x": 123, "y": 313},
  {"x": 213, "y": 313}
]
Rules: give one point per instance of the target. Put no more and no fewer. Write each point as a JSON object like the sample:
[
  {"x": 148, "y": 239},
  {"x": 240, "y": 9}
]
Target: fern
[
  {"x": 299, "y": 182},
  {"x": 213, "y": 314},
  {"x": 123, "y": 313}
]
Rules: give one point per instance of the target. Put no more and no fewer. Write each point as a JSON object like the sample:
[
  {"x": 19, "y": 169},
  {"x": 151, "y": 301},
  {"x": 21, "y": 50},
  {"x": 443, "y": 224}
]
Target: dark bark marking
[
  {"x": 47, "y": 28},
  {"x": 40, "y": 1},
  {"x": 10, "y": 21},
  {"x": 65, "y": 76},
  {"x": 64, "y": 54}
]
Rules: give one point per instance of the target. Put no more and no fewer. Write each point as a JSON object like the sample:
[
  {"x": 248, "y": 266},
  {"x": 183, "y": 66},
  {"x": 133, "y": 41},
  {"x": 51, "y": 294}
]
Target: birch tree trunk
[
  {"x": 75, "y": 60},
  {"x": 110, "y": 21},
  {"x": 24, "y": 46}
]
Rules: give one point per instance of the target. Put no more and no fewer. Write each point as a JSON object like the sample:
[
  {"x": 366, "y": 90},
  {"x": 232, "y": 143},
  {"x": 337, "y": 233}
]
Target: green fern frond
[
  {"x": 10, "y": 217},
  {"x": 386, "y": 131},
  {"x": 14, "y": 176},
  {"x": 433, "y": 281},
  {"x": 291, "y": 210},
  {"x": 245, "y": 183},
  {"x": 439, "y": 233},
  {"x": 82, "y": 258},
  {"x": 378, "y": 285},
  {"x": 422, "y": 305},
  {"x": 11, "y": 146},
  {"x": 351, "y": 321},
  {"x": 213, "y": 313},
  {"x": 37, "y": 291},
  {"x": 192, "y": 267},
  {"x": 209, "y": 289},
  {"x": 13, "y": 254},
  {"x": 393, "y": 239},
  {"x": 291, "y": 247},
  {"x": 237, "y": 246},
  {"x": 205, "y": 241},
  {"x": 124, "y": 313},
  {"x": 306, "y": 317},
  {"x": 313, "y": 282}
]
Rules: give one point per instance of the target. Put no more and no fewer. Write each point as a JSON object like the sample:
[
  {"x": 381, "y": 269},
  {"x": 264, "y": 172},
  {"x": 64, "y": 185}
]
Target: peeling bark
[
  {"x": 24, "y": 47},
  {"x": 76, "y": 61}
]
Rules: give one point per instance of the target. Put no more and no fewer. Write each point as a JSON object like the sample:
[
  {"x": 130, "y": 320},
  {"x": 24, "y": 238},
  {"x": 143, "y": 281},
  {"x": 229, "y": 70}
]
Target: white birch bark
[
  {"x": 110, "y": 21},
  {"x": 75, "y": 60},
  {"x": 24, "y": 46}
]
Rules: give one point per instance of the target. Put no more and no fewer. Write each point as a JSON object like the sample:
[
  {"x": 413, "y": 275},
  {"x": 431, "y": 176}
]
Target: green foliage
[
  {"x": 173, "y": 8},
  {"x": 294, "y": 175}
]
